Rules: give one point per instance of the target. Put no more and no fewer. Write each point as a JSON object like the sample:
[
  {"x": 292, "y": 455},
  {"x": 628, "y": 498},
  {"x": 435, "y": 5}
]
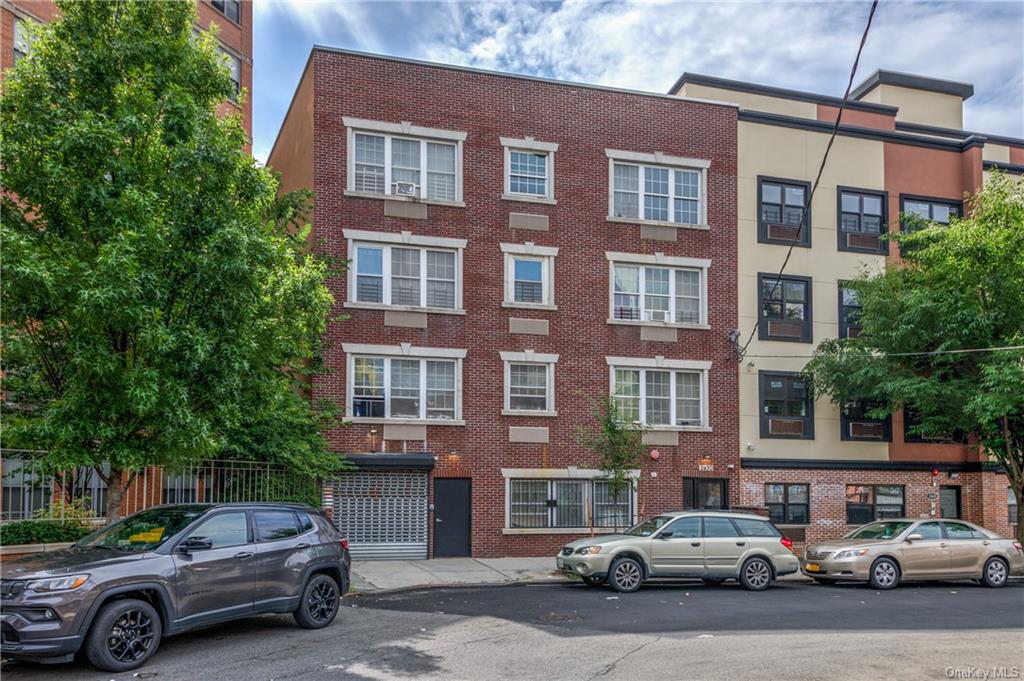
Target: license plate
[
  {"x": 813, "y": 567},
  {"x": 561, "y": 564}
]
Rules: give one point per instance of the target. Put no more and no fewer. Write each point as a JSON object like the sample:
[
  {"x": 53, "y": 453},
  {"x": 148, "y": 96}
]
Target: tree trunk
[
  {"x": 1019, "y": 494},
  {"x": 116, "y": 484}
]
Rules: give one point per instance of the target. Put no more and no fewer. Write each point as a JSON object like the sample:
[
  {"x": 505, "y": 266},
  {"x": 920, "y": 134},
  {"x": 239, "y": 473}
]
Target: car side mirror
[
  {"x": 665, "y": 534},
  {"x": 914, "y": 537},
  {"x": 195, "y": 544}
]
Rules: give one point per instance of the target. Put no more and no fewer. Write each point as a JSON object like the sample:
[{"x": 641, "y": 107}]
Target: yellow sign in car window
[{"x": 147, "y": 537}]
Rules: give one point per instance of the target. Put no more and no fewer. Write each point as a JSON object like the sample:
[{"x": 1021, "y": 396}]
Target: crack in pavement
[{"x": 608, "y": 668}]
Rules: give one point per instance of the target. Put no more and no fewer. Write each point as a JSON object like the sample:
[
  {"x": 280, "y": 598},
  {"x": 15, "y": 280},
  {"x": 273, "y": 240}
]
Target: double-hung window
[
  {"x": 229, "y": 8},
  {"x": 529, "y": 275},
  {"x": 386, "y": 383},
  {"x": 561, "y": 504},
  {"x": 658, "y": 289},
  {"x": 862, "y": 221},
  {"x": 234, "y": 67},
  {"x": 787, "y": 410},
  {"x": 849, "y": 312},
  {"x": 22, "y": 42},
  {"x": 529, "y": 170},
  {"x": 657, "y": 188},
  {"x": 788, "y": 503},
  {"x": 918, "y": 210},
  {"x": 855, "y": 423},
  {"x": 529, "y": 383},
  {"x": 865, "y": 503},
  {"x": 913, "y": 430},
  {"x": 781, "y": 211},
  {"x": 1011, "y": 506},
  {"x": 785, "y": 308},
  {"x": 660, "y": 393},
  {"x": 401, "y": 160},
  {"x": 394, "y": 270}
]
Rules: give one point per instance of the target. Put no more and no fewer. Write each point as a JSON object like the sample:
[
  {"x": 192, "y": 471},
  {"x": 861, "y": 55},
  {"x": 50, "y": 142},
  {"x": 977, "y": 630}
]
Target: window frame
[
  {"x": 921, "y": 438},
  {"x": 807, "y": 332},
  {"x": 533, "y": 359},
  {"x": 232, "y": 59},
  {"x": 673, "y": 366},
  {"x": 408, "y": 352},
  {"x": 658, "y": 261},
  {"x": 403, "y": 131},
  {"x": 18, "y": 36},
  {"x": 762, "y": 225},
  {"x": 529, "y": 251},
  {"x": 842, "y": 243},
  {"x": 690, "y": 493},
  {"x": 764, "y": 420},
  {"x": 844, "y": 326},
  {"x": 1011, "y": 506},
  {"x": 786, "y": 503},
  {"x": 590, "y": 478},
  {"x": 223, "y": 11},
  {"x": 845, "y": 421},
  {"x": 874, "y": 501},
  {"x": 529, "y": 145},
  {"x": 956, "y": 204},
  {"x": 250, "y": 527},
  {"x": 659, "y": 160}
]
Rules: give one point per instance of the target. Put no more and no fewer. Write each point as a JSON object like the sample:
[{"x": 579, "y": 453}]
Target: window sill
[
  {"x": 778, "y": 339},
  {"x": 671, "y": 325},
  {"x": 559, "y": 530},
  {"x": 526, "y": 198},
  {"x": 515, "y": 412},
  {"x": 680, "y": 429},
  {"x": 405, "y": 422},
  {"x": 401, "y": 308},
  {"x": 395, "y": 197},
  {"x": 528, "y": 306},
  {"x": 862, "y": 251},
  {"x": 657, "y": 223},
  {"x": 783, "y": 242}
]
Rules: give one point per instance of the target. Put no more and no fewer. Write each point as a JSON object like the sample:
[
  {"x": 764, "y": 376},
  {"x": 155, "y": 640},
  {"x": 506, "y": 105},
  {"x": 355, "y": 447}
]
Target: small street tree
[
  {"x": 159, "y": 306},
  {"x": 618, "y": 443},
  {"x": 932, "y": 329}
]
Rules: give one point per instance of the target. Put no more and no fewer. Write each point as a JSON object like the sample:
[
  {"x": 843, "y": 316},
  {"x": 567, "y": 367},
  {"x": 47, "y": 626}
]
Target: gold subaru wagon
[
  {"x": 887, "y": 552},
  {"x": 711, "y": 545}
]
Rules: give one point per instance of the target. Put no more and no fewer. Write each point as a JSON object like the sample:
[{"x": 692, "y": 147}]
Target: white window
[
  {"x": 401, "y": 160},
  {"x": 529, "y": 275},
  {"x": 22, "y": 42},
  {"x": 401, "y": 270},
  {"x": 403, "y": 383},
  {"x": 529, "y": 383},
  {"x": 529, "y": 170},
  {"x": 553, "y": 500},
  {"x": 658, "y": 289},
  {"x": 661, "y": 393},
  {"x": 657, "y": 188},
  {"x": 234, "y": 66}
]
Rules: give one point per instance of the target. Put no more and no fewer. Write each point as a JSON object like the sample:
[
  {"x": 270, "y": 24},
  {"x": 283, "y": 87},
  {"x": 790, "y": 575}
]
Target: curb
[{"x": 544, "y": 581}]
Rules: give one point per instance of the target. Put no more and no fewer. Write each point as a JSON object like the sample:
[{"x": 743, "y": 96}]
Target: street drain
[{"x": 559, "y": 617}]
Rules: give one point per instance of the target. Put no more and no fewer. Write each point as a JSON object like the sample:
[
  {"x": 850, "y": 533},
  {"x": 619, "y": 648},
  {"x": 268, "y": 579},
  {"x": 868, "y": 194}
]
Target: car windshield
[
  {"x": 880, "y": 530},
  {"x": 650, "y": 526},
  {"x": 143, "y": 531}
]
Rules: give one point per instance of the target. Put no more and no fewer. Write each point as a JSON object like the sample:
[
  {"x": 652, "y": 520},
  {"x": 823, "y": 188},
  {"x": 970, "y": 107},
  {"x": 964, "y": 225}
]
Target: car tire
[
  {"x": 884, "y": 575},
  {"x": 321, "y": 599},
  {"x": 124, "y": 635},
  {"x": 756, "y": 574},
  {"x": 626, "y": 575},
  {"x": 593, "y": 581},
  {"x": 995, "y": 572}
]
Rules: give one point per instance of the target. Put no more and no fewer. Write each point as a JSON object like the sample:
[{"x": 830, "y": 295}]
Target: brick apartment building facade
[{"x": 559, "y": 241}]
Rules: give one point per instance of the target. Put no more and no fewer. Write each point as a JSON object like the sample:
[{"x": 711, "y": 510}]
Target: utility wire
[
  {"x": 741, "y": 352},
  {"x": 1004, "y": 348}
]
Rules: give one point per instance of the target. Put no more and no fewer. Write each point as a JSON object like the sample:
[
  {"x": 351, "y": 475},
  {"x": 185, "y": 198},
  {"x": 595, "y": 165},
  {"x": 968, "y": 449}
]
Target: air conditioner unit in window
[
  {"x": 406, "y": 189},
  {"x": 658, "y": 315}
]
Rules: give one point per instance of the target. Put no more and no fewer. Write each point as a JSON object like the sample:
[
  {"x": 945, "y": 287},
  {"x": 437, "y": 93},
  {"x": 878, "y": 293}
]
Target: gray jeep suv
[{"x": 166, "y": 570}]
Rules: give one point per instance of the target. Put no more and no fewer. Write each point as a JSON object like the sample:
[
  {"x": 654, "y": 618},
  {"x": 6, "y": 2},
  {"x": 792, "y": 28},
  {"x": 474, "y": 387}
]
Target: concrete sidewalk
[{"x": 387, "y": 575}]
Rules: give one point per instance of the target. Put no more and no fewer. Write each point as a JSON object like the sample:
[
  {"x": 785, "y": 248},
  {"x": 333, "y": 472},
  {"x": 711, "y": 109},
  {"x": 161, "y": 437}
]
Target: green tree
[
  {"x": 160, "y": 307},
  {"x": 618, "y": 443},
  {"x": 959, "y": 287}
]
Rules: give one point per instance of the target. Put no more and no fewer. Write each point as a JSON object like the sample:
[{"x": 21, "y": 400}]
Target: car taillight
[
  {"x": 787, "y": 542},
  {"x": 344, "y": 544}
]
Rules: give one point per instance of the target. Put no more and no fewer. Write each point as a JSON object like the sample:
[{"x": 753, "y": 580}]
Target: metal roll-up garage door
[{"x": 382, "y": 512}]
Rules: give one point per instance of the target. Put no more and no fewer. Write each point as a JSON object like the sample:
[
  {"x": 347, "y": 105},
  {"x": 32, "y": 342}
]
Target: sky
[{"x": 645, "y": 46}]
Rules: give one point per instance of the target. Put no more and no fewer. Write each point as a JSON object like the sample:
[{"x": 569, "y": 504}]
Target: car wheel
[
  {"x": 626, "y": 575},
  {"x": 319, "y": 604},
  {"x": 712, "y": 581},
  {"x": 885, "y": 574},
  {"x": 124, "y": 635},
  {"x": 995, "y": 572},
  {"x": 593, "y": 581},
  {"x": 756, "y": 574}
]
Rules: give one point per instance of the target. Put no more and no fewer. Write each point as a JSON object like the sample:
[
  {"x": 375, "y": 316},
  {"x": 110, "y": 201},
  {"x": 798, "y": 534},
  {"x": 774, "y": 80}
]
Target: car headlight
[
  {"x": 57, "y": 583},
  {"x": 588, "y": 550},
  {"x": 852, "y": 553}
]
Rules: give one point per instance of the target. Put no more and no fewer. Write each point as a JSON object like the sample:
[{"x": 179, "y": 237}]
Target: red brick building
[{"x": 517, "y": 246}]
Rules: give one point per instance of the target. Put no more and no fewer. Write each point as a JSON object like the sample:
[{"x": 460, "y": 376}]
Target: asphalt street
[{"x": 678, "y": 631}]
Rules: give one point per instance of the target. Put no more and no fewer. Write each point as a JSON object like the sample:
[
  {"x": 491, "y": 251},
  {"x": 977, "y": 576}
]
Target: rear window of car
[
  {"x": 305, "y": 522},
  {"x": 756, "y": 528},
  {"x": 274, "y": 525}
]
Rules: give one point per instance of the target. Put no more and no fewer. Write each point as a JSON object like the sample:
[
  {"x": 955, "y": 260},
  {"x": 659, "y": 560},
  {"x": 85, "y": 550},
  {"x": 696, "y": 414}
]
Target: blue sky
[{"x": 645, "y": 46}]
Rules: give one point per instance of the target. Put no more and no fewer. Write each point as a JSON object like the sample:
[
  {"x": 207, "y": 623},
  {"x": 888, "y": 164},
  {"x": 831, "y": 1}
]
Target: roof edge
[
  {"x": 913, "y": 81},
  {"x": 923, "y": 129}
]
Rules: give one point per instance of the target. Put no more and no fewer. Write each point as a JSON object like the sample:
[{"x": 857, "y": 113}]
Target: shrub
[{"x": 41, "y": 532}]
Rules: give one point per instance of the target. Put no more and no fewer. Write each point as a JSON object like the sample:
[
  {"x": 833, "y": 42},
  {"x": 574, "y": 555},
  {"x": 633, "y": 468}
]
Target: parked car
[
  {"x": 714, "y": 546},
  {"x": 887, "y": 552},
  {"x": 116, "y": 592}
]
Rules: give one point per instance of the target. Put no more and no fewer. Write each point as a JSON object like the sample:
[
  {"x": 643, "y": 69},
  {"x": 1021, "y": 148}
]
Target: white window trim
[
  {"x": 529, "y": 144},
  {"x": 360, "y": 236},
  {"x": 529, "y": 357},
  {"x": 402, "y": 129},
  {"x": 664, "y": 161},
  {"x": 546, "y": 254},
  {"x": 406, "y": 350},
  {"x": 659, "y": 260},
  {"x": 569, "y": 473},
  {"x": 661, "y": 363}
]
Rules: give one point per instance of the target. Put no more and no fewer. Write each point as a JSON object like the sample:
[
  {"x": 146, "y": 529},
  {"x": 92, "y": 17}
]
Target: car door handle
[
  {"x": 438, "y": 520},
  {"x": 303, "y": 545},
  {"x": 244, "y": 554},
  {"x": 741, "y": 543},
  {"x": 943, "y": 545},
  {"x": 695, "y": 543}
]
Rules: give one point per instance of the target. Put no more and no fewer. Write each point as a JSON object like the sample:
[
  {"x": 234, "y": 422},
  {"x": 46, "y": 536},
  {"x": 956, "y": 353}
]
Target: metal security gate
[{"x": 382, "y": 512}]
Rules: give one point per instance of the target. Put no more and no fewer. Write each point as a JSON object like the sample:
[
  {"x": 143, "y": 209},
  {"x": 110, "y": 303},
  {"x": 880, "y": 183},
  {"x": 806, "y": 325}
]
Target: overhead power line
[
  {"x": 1002, "y": 348},
  {"x": 741, "y": 352}
]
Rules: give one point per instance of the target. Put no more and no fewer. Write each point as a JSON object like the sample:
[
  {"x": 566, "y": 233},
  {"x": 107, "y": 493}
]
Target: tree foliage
[
  {"x": 959, "y": 287},
  {"x": 159, "y": 305}
]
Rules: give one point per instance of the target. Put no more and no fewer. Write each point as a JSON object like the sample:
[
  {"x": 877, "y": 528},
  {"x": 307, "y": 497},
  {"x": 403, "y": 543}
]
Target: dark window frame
[
  {"x": 842, "y": 243},
  {"x": 762, "y": 225},
  {"x": 762, "y": 379},
  {"x": 690, "y": 493},
  {"x": 874, "y": 502},
  {"x": 807, "y": 332},
  {"x": 589, "y": 506},
  {"x": 920, "y": 438},
  {"x": 786, "y": 503},
  {"x": 250, "y": 526},
  {"x": 953, "y": 203},
  {"x": 223, "y": 10},
  {"x": 845, "y": 326},
  {"x": 845, "y": 420},
  {"x": 255, "y": 529}
]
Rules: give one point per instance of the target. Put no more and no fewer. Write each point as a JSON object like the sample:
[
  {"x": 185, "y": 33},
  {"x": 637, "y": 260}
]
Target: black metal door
[
  {"x": 949, "y": 499},
  {"x": 451, "y": 517}
]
